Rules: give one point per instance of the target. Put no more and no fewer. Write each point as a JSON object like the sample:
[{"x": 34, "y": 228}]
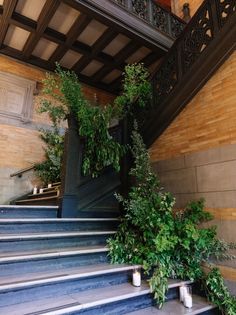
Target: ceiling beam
[
  {"x": 76, "y": 29},
  {"x": 8, "y": 8},
  {"x": 98, "y": 46},
  {"x": 120, "y": 58},
  {"x": 45, "y": 16}
]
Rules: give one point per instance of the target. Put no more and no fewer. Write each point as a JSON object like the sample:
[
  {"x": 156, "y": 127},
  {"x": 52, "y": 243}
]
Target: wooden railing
[
  {"x": 22, "y": 171},
  {"x": 154, "y": 14},
  {"x": 203, "y": 46}
]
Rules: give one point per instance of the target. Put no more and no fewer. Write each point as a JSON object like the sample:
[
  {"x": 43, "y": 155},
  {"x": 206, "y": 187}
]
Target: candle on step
[
  {"x": 35, "y": 190},
  {"x": 49, "y": 185},
  {"x": 136, "y": 278},
  {"x": 188, "y": 301},
  {"x": 41, "y": 190},
  {"x": 182, "y": 290}
]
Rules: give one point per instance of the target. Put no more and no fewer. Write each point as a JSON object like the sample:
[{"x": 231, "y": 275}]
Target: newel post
[{"x": 71, "y": 171}]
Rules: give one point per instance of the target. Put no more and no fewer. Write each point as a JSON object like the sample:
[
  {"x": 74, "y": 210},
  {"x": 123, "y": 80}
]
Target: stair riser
[
  {"x": 67, "y": 287},
  {"x": 120, "y": 307},
  {"x": 38, "y": 202},
  {"x": 12, "y": 213},
  {"x": 127, "y": 306},
  {"x": 52, "y": 264},
  {"x": 17, "y": 228},
  {"x": 53, "y": 243},
  {"x": 47, "y": 193},
  {"x": 98, "y": 213}
]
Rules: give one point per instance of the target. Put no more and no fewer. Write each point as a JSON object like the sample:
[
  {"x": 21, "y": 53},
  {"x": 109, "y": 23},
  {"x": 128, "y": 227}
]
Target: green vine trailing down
[
  {"x": 101, "y": 149},
  {"x": 167, "y": 245}
]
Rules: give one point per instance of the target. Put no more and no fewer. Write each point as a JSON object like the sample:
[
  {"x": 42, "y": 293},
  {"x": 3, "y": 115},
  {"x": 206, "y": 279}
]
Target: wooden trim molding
[
  {"x": 223, "y": 213},
  {"x": 228, "y": 273},
  {"x": 16, "y": 97}
]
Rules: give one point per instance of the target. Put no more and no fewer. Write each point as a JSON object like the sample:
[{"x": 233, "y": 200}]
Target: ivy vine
[{"x": 166, "y": 244}]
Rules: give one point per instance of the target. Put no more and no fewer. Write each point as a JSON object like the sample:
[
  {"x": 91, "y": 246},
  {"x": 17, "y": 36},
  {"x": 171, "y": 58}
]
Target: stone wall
[
  {"x": 20, "y": 145},
  {"x": 196, "y": 155}
]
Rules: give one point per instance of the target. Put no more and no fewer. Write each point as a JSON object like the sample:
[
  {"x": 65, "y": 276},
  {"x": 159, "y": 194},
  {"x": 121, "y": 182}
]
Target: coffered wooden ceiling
[{"x": 41, "y": 32}]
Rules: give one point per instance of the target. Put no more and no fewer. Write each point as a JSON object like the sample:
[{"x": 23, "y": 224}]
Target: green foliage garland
[
  {"x": 101, "y": 149},
  {"x": 49, "y": 170},
  {"x": 167, "y": 245}
]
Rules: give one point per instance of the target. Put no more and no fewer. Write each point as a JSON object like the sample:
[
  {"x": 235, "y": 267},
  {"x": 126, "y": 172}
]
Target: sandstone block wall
[{"x": 196, "y": 155}]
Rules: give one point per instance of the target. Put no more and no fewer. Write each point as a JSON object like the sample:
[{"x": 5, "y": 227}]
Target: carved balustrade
[
  {"x": 154, "y": 14},
  {"x": 199, "y": 33}
]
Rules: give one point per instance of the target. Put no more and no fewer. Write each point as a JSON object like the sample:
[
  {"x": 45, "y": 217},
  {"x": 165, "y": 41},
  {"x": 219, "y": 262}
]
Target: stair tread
[
  {"x": 43, "y": 277},
  {"x": 55, "y": 220},
  {"x": 46, "y": 253},
  {"x": 200, "y": 305},
  {"x": 37, "y": 199},
  {"x": 28, "y": 236},
  {"x": 77, "y": 301},
  {"x": 44, "y": 193},
  {"x": 3, "y": 207}
]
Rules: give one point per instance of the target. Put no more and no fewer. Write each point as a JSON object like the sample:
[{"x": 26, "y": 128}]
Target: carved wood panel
[{"x": 16, "y": 97}]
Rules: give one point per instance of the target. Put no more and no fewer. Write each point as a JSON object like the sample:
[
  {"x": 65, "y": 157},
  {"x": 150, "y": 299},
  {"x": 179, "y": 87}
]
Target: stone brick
[
  {"x": 217, "y": 177},
  {"x": 179, "y": 181}
]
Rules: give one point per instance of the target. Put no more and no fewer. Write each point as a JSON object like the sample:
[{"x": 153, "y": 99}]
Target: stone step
[
  {"x": 49, "y": 240},
  {"x": 18, "y": 226},
  {"x": 113, "y": 299},
  {"x": 175, "y": 307},
  {"x": 28, "y": 287},
  {"x": 14, "y": 211},
  {"x": 19, "y": 263}
]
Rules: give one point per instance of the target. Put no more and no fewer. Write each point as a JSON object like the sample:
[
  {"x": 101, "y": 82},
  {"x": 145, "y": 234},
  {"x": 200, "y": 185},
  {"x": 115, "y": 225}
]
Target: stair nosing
[
  {"x": 26, "y": 206},
  {"x": 58, "y": 254},
  {"x": 61, "y": 278},
  {"x": 55, "y": 220},
  {"x": 22, "y": 237}
]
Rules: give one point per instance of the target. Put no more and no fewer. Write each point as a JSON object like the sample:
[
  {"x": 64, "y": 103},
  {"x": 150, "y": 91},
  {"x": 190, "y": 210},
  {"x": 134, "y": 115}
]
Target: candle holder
[
  {"x": 136, "y": 277},
  {"x": 35, "y": 190},
  {"x": 41, "y": 190},
  {"x": 49, "y": 185}
]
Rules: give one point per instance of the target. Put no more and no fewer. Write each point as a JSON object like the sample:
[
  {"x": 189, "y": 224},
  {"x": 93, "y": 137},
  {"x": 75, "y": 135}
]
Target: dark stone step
[
  {"x": 16, "y": 211},
  {"x": 18, "y": 226}
]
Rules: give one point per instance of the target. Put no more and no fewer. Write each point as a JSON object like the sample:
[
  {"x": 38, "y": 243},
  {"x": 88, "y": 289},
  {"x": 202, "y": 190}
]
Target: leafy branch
[{"x": 167, "y": 245}]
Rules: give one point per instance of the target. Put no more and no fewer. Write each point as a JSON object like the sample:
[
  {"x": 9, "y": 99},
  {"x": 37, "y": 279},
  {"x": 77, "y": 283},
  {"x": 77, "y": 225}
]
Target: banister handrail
[
  {"x": 154, "y": 14},
  {"x": 212, "y": 24},
  {"x": 22, "y": 171}
]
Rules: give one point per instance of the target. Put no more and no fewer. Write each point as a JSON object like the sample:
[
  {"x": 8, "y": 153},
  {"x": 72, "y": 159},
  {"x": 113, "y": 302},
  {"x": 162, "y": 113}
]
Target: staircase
[
  {"x": 57, "y": 266},
  {"x": 45, "y": 196}
]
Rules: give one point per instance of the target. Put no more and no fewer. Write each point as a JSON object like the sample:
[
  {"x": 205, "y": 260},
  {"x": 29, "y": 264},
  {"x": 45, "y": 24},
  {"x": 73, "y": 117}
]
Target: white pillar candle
[
  {"x": 49, "y": 185},
  {"x": 188, "y": 301},
  {"x": 41, "y": 190},
  {"x": 35, "y": 190},
  {"x": 136, "y": 278},
  {"x": 182, "y": 290}
]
